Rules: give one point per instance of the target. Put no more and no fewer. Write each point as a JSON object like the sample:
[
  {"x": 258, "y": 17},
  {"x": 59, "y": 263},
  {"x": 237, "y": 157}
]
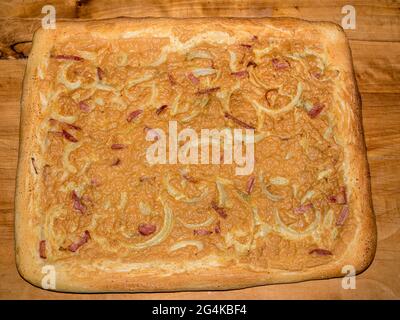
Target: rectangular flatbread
[{"x": 190, "y": 154}]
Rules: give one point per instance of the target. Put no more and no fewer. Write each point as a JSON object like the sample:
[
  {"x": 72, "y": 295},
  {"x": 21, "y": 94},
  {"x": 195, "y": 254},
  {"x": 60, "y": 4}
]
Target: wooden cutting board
[{"x": 375, "y": 44}]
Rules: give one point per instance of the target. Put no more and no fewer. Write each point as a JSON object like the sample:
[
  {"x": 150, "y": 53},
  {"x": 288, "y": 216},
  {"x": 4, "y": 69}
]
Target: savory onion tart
[{"x": 120, "y": 188}]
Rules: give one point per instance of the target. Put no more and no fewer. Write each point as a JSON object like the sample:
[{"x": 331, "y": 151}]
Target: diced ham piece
[
  {"x": 219, "y": 210},
  {"x": 250, "y": 184},
  {"x": 146, "y": 229},
  {"x": 76, "y": 245},
  {"x": 68, "y": 57},
  {"x": 133, "y": 115},
  {"x": 245, "y": 45},
  {"x": 161, "y": 109},
  {"x": 42, "y": 249},
  {"x": 171, "y": 79},
  {"x": 202, "y": 232},
  {"x": 332, "y": 199},
  {"x": 238, "y": 121},
  {"x": 320, "y": 252},
  {"x": 118, "y": 146},
  {"x": 69, "y": 136},
  {"x": 116, "y": 162},
  {"x": 240, "y": 74},
  {"x": 95, "y": 182},
  {"x": 316, "y": 75},
  {"x": 339, "y": 198},
  {"x": 316, "y": 110},
  {"x": 342, "y": 216},
  {"x": 84, "y": 106},
  {"x": 280, "y": 64},
  {"x": 217, "y": 228},
  {"x": 100, "y": 73},
  {"x": 77, "y": 203},
  {"x": 208, "y": 90},
  {"x": 193, "y": 79},
  {"x": 303, "y": 208}
]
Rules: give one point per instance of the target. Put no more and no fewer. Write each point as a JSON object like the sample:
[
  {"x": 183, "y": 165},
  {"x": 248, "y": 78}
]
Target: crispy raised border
[{"x": 361, "y": 245}]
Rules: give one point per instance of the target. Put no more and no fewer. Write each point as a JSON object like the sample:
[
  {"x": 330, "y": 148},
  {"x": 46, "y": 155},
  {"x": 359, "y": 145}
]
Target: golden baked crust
[{"x": 89, "y": 204}]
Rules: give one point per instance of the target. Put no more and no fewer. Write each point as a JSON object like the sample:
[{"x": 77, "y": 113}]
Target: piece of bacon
[
  {"x": 193, "y": 78},
  {"x": 67, "y": 57},
  {"x": 339, "y": 198},
  {"x": 77, "y": 203},
  {"x": 69, "y": 136},
  {"x": 42, "y": 249},
  {"x": 76, "y": 245},
  {"x": 316, "y": 75},
  {"x": 34, "y": 165},
  {"x": 134, "y": 114},
  {"x": 217, "y": 228},
  {"x": 239, "y": 122},
  {"x": 250, "y": 184},
  {"x": 332, "y": 199},
  {"x": 254, "y": 38},
  {"x": 161, "y": 109},
  {"x": 219, "y": 210},
  {"x": 95, "y": 182},
  {"x": 171, "y": 79},
  {"x": 303, "y": 208},
  {"x": 202, "y": 232},
  {"x": 315, "y": 110},
  {"x": 280, "y": 64},
  {"x": 100, "y": 73},
  {"x": 208, "y": 90},
  {"x": 84, "y": 106},
  {"x": 240, "y": 74},
  {"x": 245, "y": 45},
  {"x": 118, "y": 146},
  {"x": 320, "y": 252},
  {"x": 251, "y": 63},
  {"x": 116, "y": 162},
  {"x": 146, "y": 229},
  {"x": 152, "y": 134},
  {"x": 342, "y": 216}
]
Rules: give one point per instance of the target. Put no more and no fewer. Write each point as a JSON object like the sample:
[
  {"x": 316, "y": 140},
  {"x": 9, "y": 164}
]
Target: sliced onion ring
[{"x": 182, "y": 244}]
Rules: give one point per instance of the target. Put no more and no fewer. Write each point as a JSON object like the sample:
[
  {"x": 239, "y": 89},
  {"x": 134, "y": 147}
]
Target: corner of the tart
[{"x": 26, "y": 266}]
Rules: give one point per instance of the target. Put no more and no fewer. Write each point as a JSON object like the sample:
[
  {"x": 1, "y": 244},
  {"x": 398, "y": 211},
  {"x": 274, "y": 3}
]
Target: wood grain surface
[{"x": 375, "y": 45}]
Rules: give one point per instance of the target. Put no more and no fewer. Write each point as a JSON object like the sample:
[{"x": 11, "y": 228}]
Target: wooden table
[{"x": 375, "y": 45}]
